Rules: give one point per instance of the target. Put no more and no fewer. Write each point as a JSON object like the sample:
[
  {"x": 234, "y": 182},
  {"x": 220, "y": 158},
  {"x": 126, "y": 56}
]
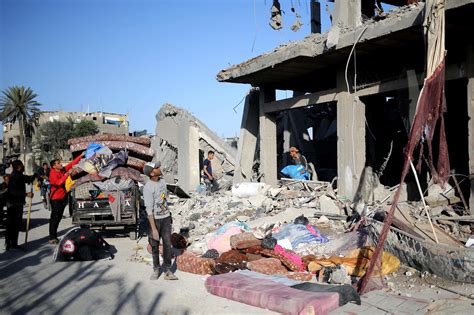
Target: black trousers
[
  {"x": 164, "y": 230},
  {"x": 14, "y": 222},
  {"x": 57, "y": 211}
]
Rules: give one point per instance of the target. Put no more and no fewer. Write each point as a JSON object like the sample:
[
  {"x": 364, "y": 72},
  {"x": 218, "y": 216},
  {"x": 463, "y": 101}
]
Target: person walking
[
  {"x": 16, "y": 194},
  {"x": 159, "y": 217},
  {"x": 57, "y": 179},
  {"x": 209, "y": 178},
  {"x": 43, "y": 177}
]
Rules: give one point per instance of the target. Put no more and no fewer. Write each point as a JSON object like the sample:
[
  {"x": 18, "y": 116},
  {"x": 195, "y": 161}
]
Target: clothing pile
[{"x": 111, "y": 167}]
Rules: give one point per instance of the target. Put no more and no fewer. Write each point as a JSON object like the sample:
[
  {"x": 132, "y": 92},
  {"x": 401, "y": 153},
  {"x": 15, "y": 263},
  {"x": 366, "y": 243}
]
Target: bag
[{"x": 83, "y": 244}]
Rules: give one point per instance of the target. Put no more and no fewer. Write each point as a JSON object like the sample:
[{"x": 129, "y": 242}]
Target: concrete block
[{"x": 327, "y": 205}]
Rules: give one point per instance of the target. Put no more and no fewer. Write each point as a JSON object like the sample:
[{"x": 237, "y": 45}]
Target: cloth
[
  {"x": 115, "y": 184},
  {"x": 164, "y": 230},
  {"x": 69, "y": 183},
  {"x": 116, "y": 200},
  {"x": 221, "y": 242},
  {"x": 156, "y": 198},
  {"x": 124, "y": 172},
  {"x": 243, "y": 226},
  {"x": 268, "y": 266},
  {"x": 232, "y": 257},
  {"x": 16, "y": 192},
  {"x": 271, "y": 295},
  {"x": 110, "y": 137},
  {"x": 294, "y": 171},
  {"x": 14, "y": 222},
  {"x": 57, "y": 180},
  {"x": 346, "y": 292},
  {"x": 207, "y": 165},
  {"x": 91, "y": 149},
  {"x": 57, "y": 211},
  {"x": 244, "y": 240},
  {"x": 275, "y": 278},
  {"x": 211, "y": 253},
  {"x": 188, "y": 262},
  {"x": 298, "y": 233},
  {"x": 118, "y": 159}
]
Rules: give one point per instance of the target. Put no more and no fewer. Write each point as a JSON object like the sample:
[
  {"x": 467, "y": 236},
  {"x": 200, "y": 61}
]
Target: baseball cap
[{"x": 150, "y": 166}]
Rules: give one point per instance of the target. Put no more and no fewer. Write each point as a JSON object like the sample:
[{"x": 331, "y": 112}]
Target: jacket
[{"x": 57, "y": 179}]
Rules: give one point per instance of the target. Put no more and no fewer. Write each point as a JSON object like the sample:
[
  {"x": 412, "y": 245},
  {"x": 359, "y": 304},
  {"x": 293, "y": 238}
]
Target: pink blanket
[{"x": 271, "y": 295}]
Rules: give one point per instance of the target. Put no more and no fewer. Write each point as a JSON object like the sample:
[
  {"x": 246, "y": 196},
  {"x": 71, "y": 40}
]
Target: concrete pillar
[
  {"x": 346, "y": 14},
  {"x": 350, "y": 139},
  {"x": 413, "y": 94},
  {"x": 188, "y": 157},
  {"x": 248, "y": 138},
  {"x": 268, "y": 143},
  {"x": 470, "y": 113},
  {"x": 286, "y": 138}
]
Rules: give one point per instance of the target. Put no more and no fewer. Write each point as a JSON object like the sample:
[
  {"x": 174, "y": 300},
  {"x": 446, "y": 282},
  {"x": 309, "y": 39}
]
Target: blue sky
[{"x": 132, "y": 56}]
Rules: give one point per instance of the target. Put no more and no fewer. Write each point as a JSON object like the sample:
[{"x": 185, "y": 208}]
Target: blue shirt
[{"x": 207, "y": 163}]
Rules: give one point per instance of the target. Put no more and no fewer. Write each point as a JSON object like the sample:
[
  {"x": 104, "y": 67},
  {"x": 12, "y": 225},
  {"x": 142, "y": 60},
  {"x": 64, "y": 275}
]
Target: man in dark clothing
[
  {"x": 16, "y": 195},
  {"x": 209, "y": 178}
]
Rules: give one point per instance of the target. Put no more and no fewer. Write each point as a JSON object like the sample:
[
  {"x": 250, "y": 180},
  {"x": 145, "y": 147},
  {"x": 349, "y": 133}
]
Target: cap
[{"x": 150, "y": 166}]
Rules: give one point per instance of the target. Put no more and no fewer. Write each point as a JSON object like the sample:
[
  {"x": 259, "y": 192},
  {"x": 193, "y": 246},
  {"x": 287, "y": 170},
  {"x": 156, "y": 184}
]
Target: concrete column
[
  {"x": 315, "y": 16},
  {"x": 248, "y": 138},
  {"x": 413, "y": 94},
  {"x": 268, "y": 134},
  {"x": 286, "y": 138},
  {"x": 188, "y": 156},
  {"x": 347, "y": 13},
  {"x": 470, "y": 113},
  {"x": 350, "y": 139}
]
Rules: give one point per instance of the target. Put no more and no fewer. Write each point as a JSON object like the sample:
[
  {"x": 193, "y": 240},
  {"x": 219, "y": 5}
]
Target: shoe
[
  {"x": 53, "y": 241},
  {"x": 170, "y": 276},
  {"x": 155, "y": 275}
]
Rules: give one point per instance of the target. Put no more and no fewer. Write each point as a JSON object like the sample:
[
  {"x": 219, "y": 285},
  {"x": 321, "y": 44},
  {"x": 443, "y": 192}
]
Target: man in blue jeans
[{"x": 159, "y": 217}]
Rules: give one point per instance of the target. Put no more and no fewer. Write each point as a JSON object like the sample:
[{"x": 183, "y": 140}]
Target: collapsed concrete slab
[{"x": 182, "y": 144}]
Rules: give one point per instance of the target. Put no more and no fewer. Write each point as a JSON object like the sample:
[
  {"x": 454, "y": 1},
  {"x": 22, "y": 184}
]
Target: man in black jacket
[{"x": 16, "y": 195}]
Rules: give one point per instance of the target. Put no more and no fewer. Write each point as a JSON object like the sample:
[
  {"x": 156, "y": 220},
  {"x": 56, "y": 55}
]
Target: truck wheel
[{"x": 133, "y": 235}]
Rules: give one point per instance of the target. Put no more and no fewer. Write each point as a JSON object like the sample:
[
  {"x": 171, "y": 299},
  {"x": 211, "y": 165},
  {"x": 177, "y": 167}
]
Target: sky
[{"x": 132, "y": 56}]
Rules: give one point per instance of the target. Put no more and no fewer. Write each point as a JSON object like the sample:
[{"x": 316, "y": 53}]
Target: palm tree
[{"x": 19, "y": 104}]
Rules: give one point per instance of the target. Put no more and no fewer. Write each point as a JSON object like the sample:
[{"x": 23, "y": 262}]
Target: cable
[
  {"x": 239, "y": 103},
  {"x": 256, "y": 25}
]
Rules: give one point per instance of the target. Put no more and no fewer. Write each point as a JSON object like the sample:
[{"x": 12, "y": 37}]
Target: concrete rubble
[{"x": 182, "y": 143}]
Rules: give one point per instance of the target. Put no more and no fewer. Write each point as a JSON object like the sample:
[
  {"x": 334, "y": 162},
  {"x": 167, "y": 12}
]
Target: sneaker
[
  {"x": 155, "y": 275},
  {"x": 170, "y": 276},
  {"x": 53, "y": 241}
]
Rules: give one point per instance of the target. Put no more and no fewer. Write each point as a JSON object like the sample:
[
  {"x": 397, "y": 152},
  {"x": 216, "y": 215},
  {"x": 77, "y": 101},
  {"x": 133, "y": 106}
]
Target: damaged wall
[{"x": 182, "y": 140}]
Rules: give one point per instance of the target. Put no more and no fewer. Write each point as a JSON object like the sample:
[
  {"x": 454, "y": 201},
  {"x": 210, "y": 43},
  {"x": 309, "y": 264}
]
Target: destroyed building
[
  {"x": 355, "y": 91},
  {"x": 182, "y": 144}
]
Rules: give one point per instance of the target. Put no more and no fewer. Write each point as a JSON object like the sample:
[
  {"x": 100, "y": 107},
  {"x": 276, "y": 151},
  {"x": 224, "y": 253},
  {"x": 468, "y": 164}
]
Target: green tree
[
  {"x": 52, "y": 137},
  {"x": 18, "y": 104},
  {"x": 85, "y": 128}
]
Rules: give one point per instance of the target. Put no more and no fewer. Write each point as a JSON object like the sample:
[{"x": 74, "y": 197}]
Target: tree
[
  {"x": 52, "y": 137},
  {"x": 85, "y": 128},
  {"x": 18, "y": 104}
]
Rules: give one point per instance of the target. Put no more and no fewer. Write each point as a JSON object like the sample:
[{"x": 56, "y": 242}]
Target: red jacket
[{"x": 57, "y": 179}]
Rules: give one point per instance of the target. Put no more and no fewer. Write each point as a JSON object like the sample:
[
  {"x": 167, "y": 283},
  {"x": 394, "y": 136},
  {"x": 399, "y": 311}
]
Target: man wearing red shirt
[{"x": 58, "y": 195}]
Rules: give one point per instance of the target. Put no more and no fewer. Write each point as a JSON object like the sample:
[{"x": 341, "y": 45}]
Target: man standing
[
  {"x": 57, "y": 179},
  {"x": 16, "y": 194},
  {"x": 43, "y": 177},
  {"x": 207, "y": 172},
  {"x": 299, "y": 159},
  {"x": 159, "y": 217}
]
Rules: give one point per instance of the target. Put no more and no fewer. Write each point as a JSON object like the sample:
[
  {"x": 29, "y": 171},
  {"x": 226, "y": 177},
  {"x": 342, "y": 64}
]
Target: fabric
[
  {"x": 188, "y": 262},
  {"x": 294, "y": 171},
  {"x": 300, "y": 276},
  {"x": 270, "y": 295},
  {"x": 289, "y": 260},
  {"x": 269, "y": 242},
  {"x": 346, "y": 292},
  {"x": 118, "y": 159},
  {"x": 156, "y": 198},
  {"x": 57, "y": 180},
  {"x": 178, "y": 241},
  {"x": 109, "y": 137},
  {"x": 141, "y": 150},
  {"x": 243, "y": 226},
  {"x": 222, "y": 242},
  {"x": 116, "y": 201},
  {"x": 244, "y": 240},
  {"x": 281, "y": 279},
  {"x": 14, "y": 222},
  {"x": 91, "y": 149},
  {"x": 69, "y": 183},
  {"x": 164, "y": 230},
  {"x": 232, "y": 257},
  {"x": 298, "y": 233},
  {"x": 115, "y": 184},
  {"x": 16, "y": 191},
  {"x": 211, "y": 253},
  {"x": 123, "y": 172},
  {"x": 268, "y": 266},
  {"x": 83, "y": 244}
]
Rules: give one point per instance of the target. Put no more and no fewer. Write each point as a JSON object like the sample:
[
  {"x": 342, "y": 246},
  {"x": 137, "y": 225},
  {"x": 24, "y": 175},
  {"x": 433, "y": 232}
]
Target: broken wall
[{"x": 178, "y": 131}]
